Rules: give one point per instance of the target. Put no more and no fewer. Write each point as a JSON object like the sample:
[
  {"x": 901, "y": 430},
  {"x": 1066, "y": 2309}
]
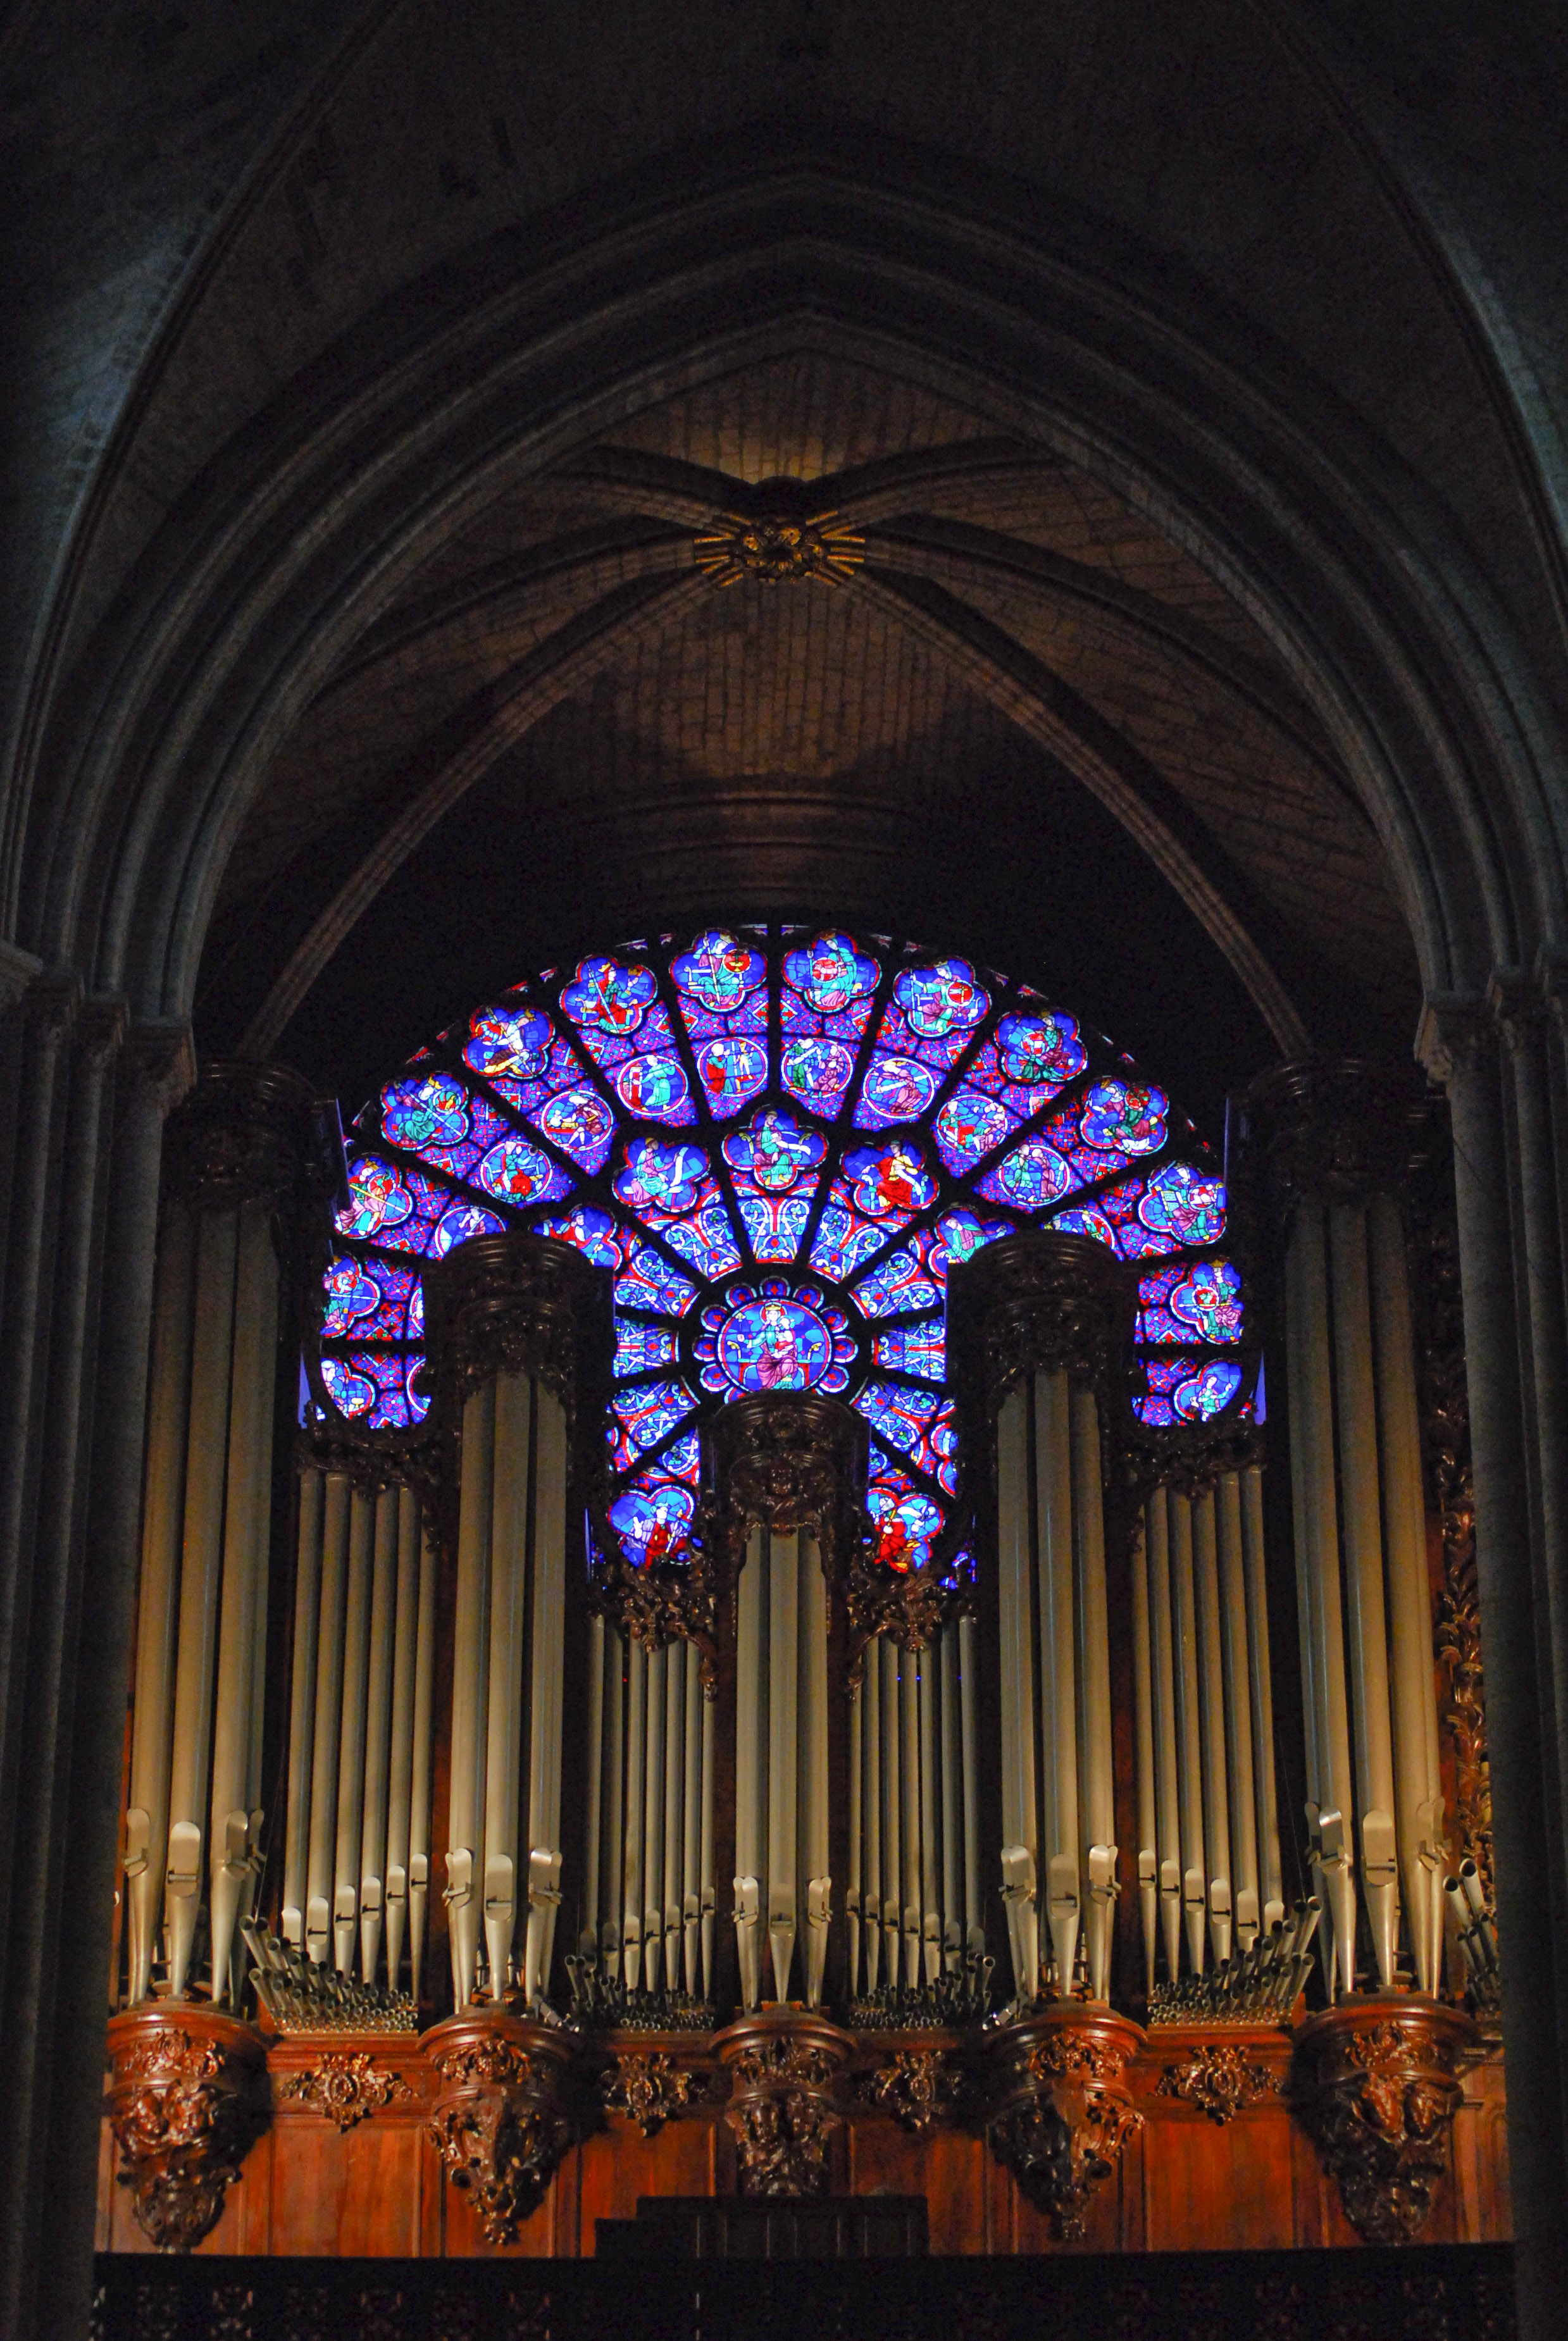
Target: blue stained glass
[
  {"x": 818, "y": 1073},
  {"x": 509, "y": 1041},
  {"x": 719, "y": 970},
  {"x": 1031, "y": 1177},
  {"x": 459, "y": 1225},
  {"x": 644, "y": 1413},
  {"x": 775, "y": 1336},
  {"x": 970, "y": 1125},
  {"x": 516, "y": 1172},
  {"x": 775, "y": 1225},
  {"x": 654, "y": 1088},
  {"x": 707, "y": 1240},
  {"x": 592, "y": 1231},
  {"x": 562, "y": 1070},
  {"x": 374, "y": 1388},
  {"x": 774, "y": 1150},
  {"x": 652, "y": 1520},
  {"x": 731, "y": 1071},
  {"x": 958, "y": 1235},
  {"x": 352, "y": 1394},
  {"x": 845, "y": 1242},
  {"x": 1205, "y": 1300},
  {"x": 640, "y": 1349},
  {"x": 351, "y": 1296},
  {"x": 485, "y": 1129},
  {"x": 897, "y": 1284},
  {"x": 1210, "y": 1390},
  {"x": 914, "y": 1349},
  {"x": 608, "y": 996},
  {"x": 895, "y": 1089},
  {"x": 661, "y": 1180},
  {"x": 900, "y": 1415},
  {"x": 1185, "y": 1203},
  {"x": 888, "y": 1181},
  {"x": 428, "y": 1113},
  {"x": 378, "y": 1199},
  {"x": 941, "y": 999},
  {"x": 1044, "y": 1052},
  {"x": 1125, "y": 1118},
  {"x": 650, "y": 1283},
  {"x": 1156, "y": 1411},
  {"x": 682, "y": 1458},
  {"x": 581, "y": 1124},
  {"x": 831, "y": 974}
]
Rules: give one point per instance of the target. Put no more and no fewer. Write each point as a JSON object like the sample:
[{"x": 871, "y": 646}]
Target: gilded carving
[
  {"x": 183, "y": 2119},
  {"x": 1379, "y": 2100},
  {"x": 344, "y": 2089},
  {"x": 917, "y": 2088},
  {"x": 648, "y": 2089},
  {"x": 782, "y": 2114},
  {"x": 1219, "y": 2081},
  {"x": 779, "y": 547}
]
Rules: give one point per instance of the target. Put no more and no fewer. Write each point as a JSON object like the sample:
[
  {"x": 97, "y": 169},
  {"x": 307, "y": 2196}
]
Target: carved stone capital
[
  {"x": 1219, "y": 2080},
  {"x": 184, "y": 2108},
  {"x": 919, "y": 2087},
  {"x": 1453, "y": 1035},
  {"x": 162, "y": 1055},
  {"x": 1333, "y": 1131},
  {"x": 1373, "y": 2083},
  {"x": 18, "y": 968},
  {"x": 1061, "y": 2107},
  {"x": 781, "y": 2113},
  {"x": 498, "y": 2123},
  {"x": 243, "y": 1135},
  {"x": 343, "y": 2087},
  {"x": 648, "y": 2087}
]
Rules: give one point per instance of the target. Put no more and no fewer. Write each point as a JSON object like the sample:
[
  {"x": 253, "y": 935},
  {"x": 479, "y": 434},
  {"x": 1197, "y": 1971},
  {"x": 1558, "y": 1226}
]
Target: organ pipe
[
  {"x": 400, "y": 1752},
  {"x": 351, "y": 1730},
  {"x": 378, "y": 1736},
  {"x": 1057, "y": 1677},
  {"x": 419, "y": 1789},
  {"x": 1260, "y": 1683},
  {"x": 1189, "y": 1727},
  {"x": 470, "y": 1681},
  {"x": 1144, "y": 1738},
  {"x": 301, "y": 1704},
  {"x": 654, "y": 1823},
  {"x": 328, "y": 1716},
  {"x": 814, "y": 1761},
  {"x": 1212, "y": 1715},
  {"x": 1243, "y": 1795},
  {"x": 503, "y": 1695},
  {"x": 1020, "y": 1820},
  {"x": 1093, "y": 1654},
  {"x": 1167, "y": 1752}
]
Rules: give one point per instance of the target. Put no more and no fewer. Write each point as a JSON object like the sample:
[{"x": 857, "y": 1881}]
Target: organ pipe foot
[
  {"x": 1373, "y": 2082},
  {"x": 1061, "y": 2109},
  {"x": 185, "y": 2109}
]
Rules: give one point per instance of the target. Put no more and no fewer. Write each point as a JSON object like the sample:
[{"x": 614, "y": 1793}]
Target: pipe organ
[{"x": 751, "y": 1866}]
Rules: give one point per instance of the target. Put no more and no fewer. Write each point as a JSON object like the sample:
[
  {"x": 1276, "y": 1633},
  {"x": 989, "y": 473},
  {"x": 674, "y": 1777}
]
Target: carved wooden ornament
[
  {"x": 647, "y": 2089},
  {"x": 1063, "y": 2109},
  {"x": 781, "y": 2113},
  {"x": 1219, "y": 2081},
  {"x": 184, "y": 2116},
  {"x": 498, "y": 2124},
  {"x": 1377, "y": 2093},
  {"x": 344, "y": 2089}
]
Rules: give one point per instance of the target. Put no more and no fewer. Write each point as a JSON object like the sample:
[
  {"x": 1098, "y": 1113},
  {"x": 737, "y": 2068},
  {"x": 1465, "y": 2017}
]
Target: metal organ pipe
[
  {"x": 654, "y": 1823},
  {"x": 1019, "y": 1821},
  {"x": 419, "y": 1788},
  {"x": 545, "y": 1856},
  {"x": 302, "y": 1705},
  {"x": 814, "y": 1796},
  {"x": 1237, "y": 1709},
  {"x": 503, "y": 1700},
  {"x": 1212, "y": 1712},
  {"x": 1167, "y": 1753},
  {"x": 1144, "y": 1737},
  {"x": 400, "y": 1753},
  {"x": 470, "y": 1675},
  {"x": 1261, "y": 1686},
  {"x": 328, "y": 1716},
  {"x": 1189, "y": 1726},
  {"x": 1092, "y": 1651},
  {"x": 1058, "y": 1687},
  {"x": 378, "y": 1736},
  {"x": 351, "y": 1734}
]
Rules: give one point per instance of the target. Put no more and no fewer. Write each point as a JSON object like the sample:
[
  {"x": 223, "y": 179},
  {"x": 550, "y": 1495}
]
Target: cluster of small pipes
[
  {"x": 1477, "y": 1937},
  {"x": 602, "y": 2002},
  {"x": 1257, "y": 1986},
  {"x": 302, "y": 1997},
  {"x": 960, "y": 1996}
]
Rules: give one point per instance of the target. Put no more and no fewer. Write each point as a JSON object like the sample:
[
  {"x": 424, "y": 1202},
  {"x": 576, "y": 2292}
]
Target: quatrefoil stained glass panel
[{"x": 778, "y": 1141}]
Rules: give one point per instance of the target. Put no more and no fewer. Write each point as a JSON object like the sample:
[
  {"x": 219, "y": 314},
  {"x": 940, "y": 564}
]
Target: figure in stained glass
[
  {"x": 896, "y": 1089},
  {"x": 650, "y": 1087},
  {"x": 377, "y": 1199},
  {"x": 731, "y": 1071},
  {"x": 663, "y": 1180},
  {"x": 888, "y": 1178},
  {"x": 775, "y": 1148},
  {"x": 432, "y": 1112},
  {"x": 514, "y": 1041},
  {"x": 719, "y": 970},
  {"x": 608, "y": 996},
  {"x": 818, "y": 1073},
  {"x": 518, "y": 1173},
  {"x": 581, "y": 1123},
  {"x": 1039, "y": 1049},
  {"x": 1124, "y": 1117},
  {"x": 831, "y": 974},
  {"x": 943, "y": 998}
]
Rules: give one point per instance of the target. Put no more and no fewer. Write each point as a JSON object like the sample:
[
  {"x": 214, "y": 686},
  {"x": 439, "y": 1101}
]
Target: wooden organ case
[{"x": 1087, "y": 1889}]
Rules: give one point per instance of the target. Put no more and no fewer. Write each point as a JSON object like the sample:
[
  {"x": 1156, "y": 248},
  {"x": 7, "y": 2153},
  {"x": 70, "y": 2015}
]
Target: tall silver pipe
[
  {"x": 328, "y": 1718},
  {"x": 691, "y": 1847},
  {"x": 1212, "y": 1712},
  {"x": 261, "y": 1479},
  {"x": 1058, "y": 1672},
  {"x": 891, "y": 1807},
  {"x": 928, "y": 1694},
  {"x": 952, "y": 1802},
  {"x": 1020, "y": 1815},
  {"x": 636, "y": 1772},
  {"x": 813, "y": 1870},
  {"x": 546, "y": 1706},
  {"x": 470, "y": 1692},
  {"x": 871, "y": 1809},
  {"x": 1189, "y": 1726},
  {"x": 1330, "y": 1790},
  {"x": 1263, "y": 1700},
  {"x": 419, "y": 1789},
  {"x": 378, "y": 1736},
  {"x": 969, "y": 1728},
  {"x": 1167, "y": 1730},
  {"x": 1361, "y": 1517},
  {"x": 1097, "y": 1834},
  {"x": 511, "y": 1503},
  {"x": 784, "y": 1755},
  {"x": 1416, "y": 1742},
  {"x": 351, "y": 1734},
  {"x": 856, "y": 1808},
  {"x": 302, "y": 1705},
  {"x": 400, "y": 1753},
  {"x": 200, "y": 1569},
  {"x": 910, "y": 1805},
  {"x": 675, "y": 1807},
  {"x": 653, "y": 1824},
  {"x": 615, "y": 1854},
  {"x": 710, "y": 1911},
  {"x": 588, "y": 1937},
  {"x": 1143, "y": 1747},
  {"x": 1238, "y": 1708},
  {"x": 158, "y": 1594},
  {"x": 751, "y": 1724}
]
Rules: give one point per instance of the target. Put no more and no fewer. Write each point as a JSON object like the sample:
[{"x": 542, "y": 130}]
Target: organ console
[{"x": 1053, "y": 1877}]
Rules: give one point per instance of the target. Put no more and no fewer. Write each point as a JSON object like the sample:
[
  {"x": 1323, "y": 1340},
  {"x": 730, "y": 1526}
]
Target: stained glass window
[{"x": 777, "y": 1140}]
